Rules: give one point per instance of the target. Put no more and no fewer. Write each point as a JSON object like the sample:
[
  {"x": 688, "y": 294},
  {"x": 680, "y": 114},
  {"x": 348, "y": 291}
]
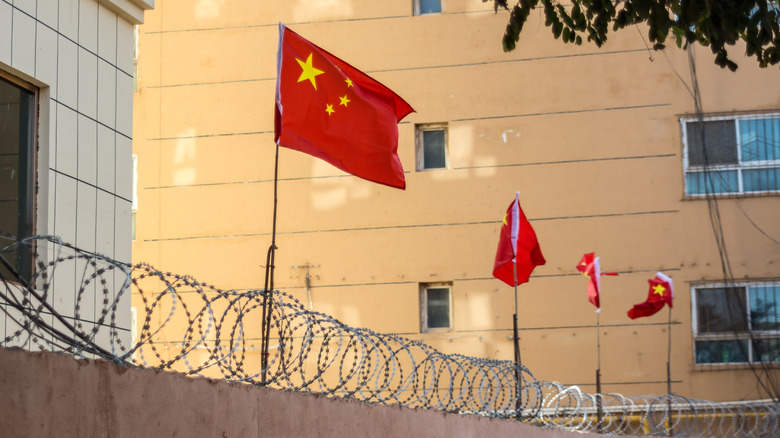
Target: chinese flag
[
  {"x": 333, "y": 111},
  {"x": 517, "y": 245},
  {"x": 590, "y": 266},
  {"x": 661, "y": 291}
]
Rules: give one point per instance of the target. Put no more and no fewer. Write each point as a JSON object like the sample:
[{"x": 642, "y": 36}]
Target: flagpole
[
  {"x": 669, "y": 371},
  {"x": 516, "y": 338},
  {"x": 265, "y": 326},
  {"x": 598, "y": 370}
]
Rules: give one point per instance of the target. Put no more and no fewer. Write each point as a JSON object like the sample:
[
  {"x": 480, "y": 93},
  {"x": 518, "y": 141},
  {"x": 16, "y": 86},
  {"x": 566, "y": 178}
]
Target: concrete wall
[{"x": 47, "y": 394}]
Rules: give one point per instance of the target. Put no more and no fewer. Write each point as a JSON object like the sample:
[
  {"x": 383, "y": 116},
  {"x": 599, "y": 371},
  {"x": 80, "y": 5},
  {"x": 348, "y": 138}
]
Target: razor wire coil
[{"x": 195, "y": 328}]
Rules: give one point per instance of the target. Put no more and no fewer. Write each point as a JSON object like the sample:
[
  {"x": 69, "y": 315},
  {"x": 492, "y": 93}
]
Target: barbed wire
[{"x": 80, "y": 302}]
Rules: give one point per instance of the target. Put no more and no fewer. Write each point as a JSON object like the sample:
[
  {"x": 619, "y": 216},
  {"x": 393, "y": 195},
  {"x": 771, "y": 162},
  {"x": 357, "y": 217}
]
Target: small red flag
[
  {"x": 590, "y": 266},
  {"x": 517, "y": 245},
  {"x": 333, "y": 111},
  {"x": 661, "y": 292}
]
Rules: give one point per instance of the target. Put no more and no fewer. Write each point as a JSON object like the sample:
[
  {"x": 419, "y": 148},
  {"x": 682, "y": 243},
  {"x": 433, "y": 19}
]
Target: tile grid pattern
[{"x": 79, "y": 53}]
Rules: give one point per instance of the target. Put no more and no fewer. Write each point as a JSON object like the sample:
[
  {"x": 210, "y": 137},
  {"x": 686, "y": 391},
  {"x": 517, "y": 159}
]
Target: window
[
  {"x": 431, "y": 146},
  {"x": 742, "y": 153},
  {"x": 17, "y": 170},
  {"x": 737, "y": 324},
  {"x": 435, "y": 307},
  {"x": 427, "y": 7}
]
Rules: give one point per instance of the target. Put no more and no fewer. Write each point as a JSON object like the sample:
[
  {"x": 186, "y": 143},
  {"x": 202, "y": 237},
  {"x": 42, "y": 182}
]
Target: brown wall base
[{"x": 46, "y": 394}]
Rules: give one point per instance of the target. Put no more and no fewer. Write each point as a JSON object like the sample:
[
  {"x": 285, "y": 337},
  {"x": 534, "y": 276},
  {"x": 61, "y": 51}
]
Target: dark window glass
[
  {"x": 438, "y": 307},
  {"x": 434, "y": 149},
  {"x": 764, "y": 311},
  {"x": 728, "y": 351},
  {"x": 720, "y": 138},
  {"x": 766, "y": 350},
  {"x": 17, "y": 173},
  {"x": 430, "y": 6},
  {"x": 721, "y": 310}
]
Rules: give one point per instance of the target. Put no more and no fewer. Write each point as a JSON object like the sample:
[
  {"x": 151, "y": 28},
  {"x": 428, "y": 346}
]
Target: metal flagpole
[
  {"x": 598, "y": 370},
  {"x": 669, "y": 372},
  {"x": 265, "y": 327},
  {"x": 516, "y": 338}
]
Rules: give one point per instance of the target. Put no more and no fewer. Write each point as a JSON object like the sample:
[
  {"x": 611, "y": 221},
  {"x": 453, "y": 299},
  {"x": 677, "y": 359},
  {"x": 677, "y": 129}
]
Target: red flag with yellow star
[
  {"x": 661, "y": 292},
  {"x": 590, "y": 266},
  {"x": 333, "y": 111},
  {"x": 518, "y": 250}
]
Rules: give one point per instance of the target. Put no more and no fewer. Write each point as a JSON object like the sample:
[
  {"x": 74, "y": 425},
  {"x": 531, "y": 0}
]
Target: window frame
[
  {"x": 31, "y": 167},
  {"x": 748, "y": 336},
  {"x": 420, "y": 129},
  {"x": 424, "y": 287},
  {"x": 739, "y": 167}
]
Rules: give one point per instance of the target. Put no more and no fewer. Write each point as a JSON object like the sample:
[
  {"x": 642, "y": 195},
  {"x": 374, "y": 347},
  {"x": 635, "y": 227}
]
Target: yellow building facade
[{"x": 600, "y": 143}]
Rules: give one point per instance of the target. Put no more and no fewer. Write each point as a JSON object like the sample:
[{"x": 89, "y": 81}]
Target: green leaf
[{"x": 716, "y": 24}]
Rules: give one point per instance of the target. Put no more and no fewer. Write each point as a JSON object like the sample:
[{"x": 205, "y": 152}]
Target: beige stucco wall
[
  {"x": 590, "y": 137},
  {"x": 47, "y": 394}
]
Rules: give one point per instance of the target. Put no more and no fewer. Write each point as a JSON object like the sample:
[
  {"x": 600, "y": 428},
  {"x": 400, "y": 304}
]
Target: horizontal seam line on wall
[
  {"x": 444, "y": 335},
  {"x": 392, "y": 70},
  {"x": 196, "y": 84},
  {"x": 303, "y": 23},
  {"x": 226, "y": 134},
  {"x": 625, "y": 383},
  {"x": 584, "y": 160},
  {"x": 541, "y": 163},
  {"x": 241, "y": 292},
  {"x": 230, "y": 134},
  {"x": 592, "y": 110},
  {"x": 509, "y": 116},
  {"x": 393, "y": 227},
  {"x": 509, "y": 61}
]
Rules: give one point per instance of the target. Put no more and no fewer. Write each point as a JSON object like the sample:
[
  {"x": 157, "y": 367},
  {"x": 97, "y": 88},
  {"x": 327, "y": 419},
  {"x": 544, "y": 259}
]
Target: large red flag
[
  {"x": 333, "y": 111},
  {"x": 517, "y": 244},
  {"x": 661, "y": 292},
  {"x": 590, "y": 266}
]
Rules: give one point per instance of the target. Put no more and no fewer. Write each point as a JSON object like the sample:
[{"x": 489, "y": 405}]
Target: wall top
[{"x": 130, "y": 10}]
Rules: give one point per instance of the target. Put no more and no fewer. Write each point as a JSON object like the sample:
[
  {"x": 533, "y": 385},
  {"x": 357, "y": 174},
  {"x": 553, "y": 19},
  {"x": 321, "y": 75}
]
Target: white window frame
[
  {"x": 739, "y": 167},
  {"x": 424, "y": 307},
  {"x": 416, "y": 8},
  {"x": 730, "y": 336},
  {"x": 420, "y": 145}
]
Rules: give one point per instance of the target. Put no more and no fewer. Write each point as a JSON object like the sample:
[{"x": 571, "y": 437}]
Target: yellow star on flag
[
  {"x": 329, "y": 109},
  {"x": 504, "y": 221},
  {"x": 349, "y": 82},
  {"x": 344, "y": 100},
  {"x": 658, "y": 289},
  {"x": 309, "y": 72}
]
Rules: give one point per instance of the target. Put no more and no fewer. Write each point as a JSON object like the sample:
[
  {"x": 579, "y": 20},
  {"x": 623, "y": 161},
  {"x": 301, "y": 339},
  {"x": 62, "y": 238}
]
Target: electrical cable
[{"x": 765, "y": 380}]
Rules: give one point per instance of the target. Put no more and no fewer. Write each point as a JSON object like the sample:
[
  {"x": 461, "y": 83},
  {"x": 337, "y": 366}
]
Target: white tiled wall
[{"x": 79, "y": 54}]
